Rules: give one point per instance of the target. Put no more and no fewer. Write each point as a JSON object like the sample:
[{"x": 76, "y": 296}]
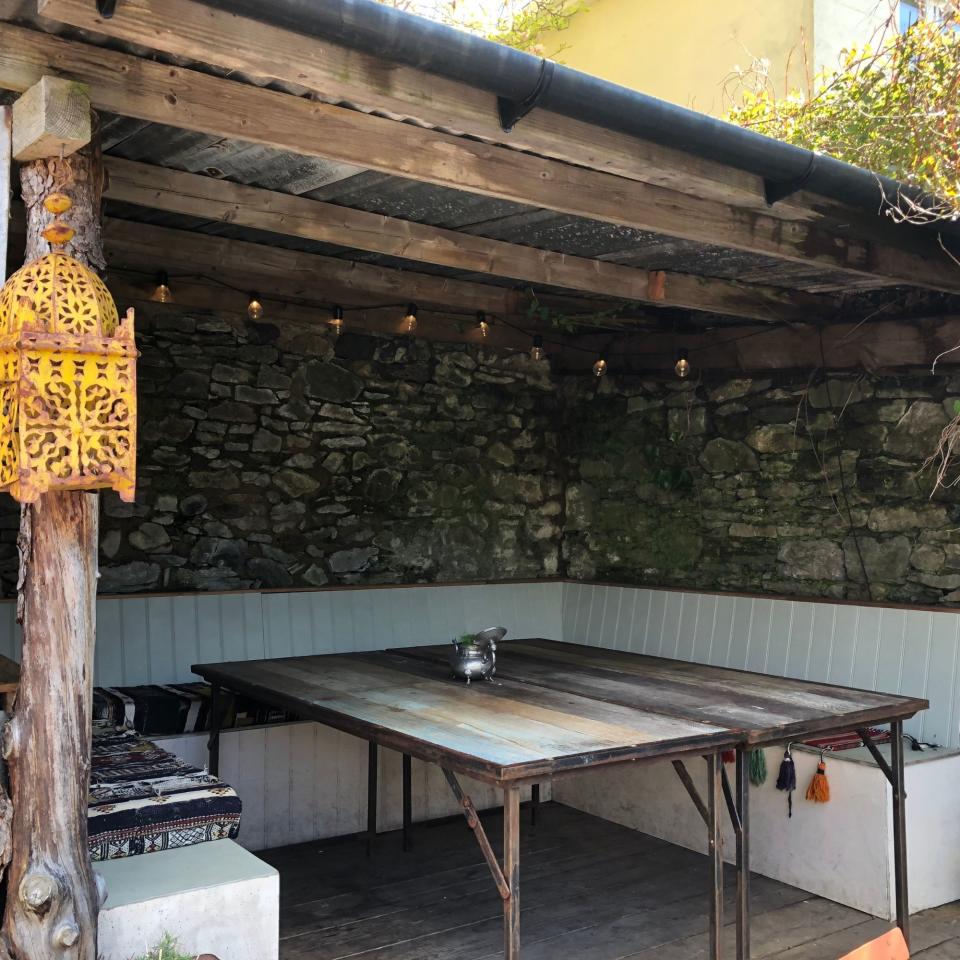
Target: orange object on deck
[{"x": 891, "y": 946}]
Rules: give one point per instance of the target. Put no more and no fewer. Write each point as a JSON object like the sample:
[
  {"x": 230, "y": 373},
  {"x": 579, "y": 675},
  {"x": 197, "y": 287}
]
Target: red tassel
[{"x": 729, "y": 756}]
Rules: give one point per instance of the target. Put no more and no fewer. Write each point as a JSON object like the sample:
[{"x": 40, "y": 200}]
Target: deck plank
[{"x": 593, "y": 890}]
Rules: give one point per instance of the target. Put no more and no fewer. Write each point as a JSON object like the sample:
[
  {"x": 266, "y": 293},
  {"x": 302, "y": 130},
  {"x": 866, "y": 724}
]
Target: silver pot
[{"x": 476, "y": 659}]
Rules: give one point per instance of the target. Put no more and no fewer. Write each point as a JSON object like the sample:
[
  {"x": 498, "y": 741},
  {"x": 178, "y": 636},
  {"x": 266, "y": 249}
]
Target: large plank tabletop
[
  {"x": 760, "y": 707},
  {"x": 496, "y": 731},
  {"x": 553, "y": 707}
]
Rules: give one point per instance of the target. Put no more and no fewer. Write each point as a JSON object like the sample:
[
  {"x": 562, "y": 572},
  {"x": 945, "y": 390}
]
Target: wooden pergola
[
  {"x": 241, "y": 157},
  {"x": 319, "y": 175}
]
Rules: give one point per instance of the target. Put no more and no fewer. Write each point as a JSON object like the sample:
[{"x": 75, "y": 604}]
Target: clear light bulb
[
  {"x": 536, "y": 351},
  {"x": 410, "y": 320},
  {"x": 336, "y": 321},
  {"x": 600, "y": 367},
  {"x": 682, "y": 365},
  {"x": 254, "y": 307},
  {"x": 483, "y": 324},
  {"x": 163, "y": 293}
]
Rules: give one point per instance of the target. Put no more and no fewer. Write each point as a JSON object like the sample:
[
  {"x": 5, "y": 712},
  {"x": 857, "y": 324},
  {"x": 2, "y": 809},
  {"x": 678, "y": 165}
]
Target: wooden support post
[
  {"x": 53, "y": 899},
  {"x": 5, "y": 167},
  {"x": 51, "y": 119},
  {"x": 511, "y": 872}
]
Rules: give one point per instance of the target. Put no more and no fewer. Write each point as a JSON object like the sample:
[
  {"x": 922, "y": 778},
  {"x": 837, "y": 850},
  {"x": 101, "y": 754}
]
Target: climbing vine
[
  {"x": 892, "y": 107},
  {"x": 516, "y": 23}
]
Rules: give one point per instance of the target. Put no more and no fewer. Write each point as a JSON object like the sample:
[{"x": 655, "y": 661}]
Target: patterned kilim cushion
[{"x": 144, "y": 799}]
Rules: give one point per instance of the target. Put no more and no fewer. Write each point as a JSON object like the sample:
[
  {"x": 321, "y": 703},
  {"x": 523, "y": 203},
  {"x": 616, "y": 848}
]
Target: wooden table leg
[
  {"x": 213, "y": 742},
  {"x": 407, "y": 801},
  {"x": 743, "y": 855},
  {"x": 899, "y": 830},
  {"x": 715, "y": 845},
  {"x": 373, "y": 765},
  {"x": 511, "y": 870}
]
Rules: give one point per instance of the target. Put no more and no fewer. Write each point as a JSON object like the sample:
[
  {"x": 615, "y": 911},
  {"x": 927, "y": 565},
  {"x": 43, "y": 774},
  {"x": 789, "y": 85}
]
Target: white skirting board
[
  {"x": 841, "y": 850},
  {"x": 304, "y": 781},
  {"x": 212, "y": 898}
]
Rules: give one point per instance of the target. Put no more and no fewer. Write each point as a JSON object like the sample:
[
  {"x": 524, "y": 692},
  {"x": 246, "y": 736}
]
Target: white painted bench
[
  {"x": 842, "y": 850},
  {"x": 213, "y": 897}
]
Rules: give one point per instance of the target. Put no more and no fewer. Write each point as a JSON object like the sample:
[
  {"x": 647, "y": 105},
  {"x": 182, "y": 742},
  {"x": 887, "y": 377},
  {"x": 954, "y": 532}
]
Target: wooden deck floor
[{"x": 591, "y": 890}]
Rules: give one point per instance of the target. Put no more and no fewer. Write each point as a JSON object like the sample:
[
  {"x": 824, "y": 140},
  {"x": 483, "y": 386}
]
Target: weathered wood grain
[
  {"x": 495, "y": 732},
  {"x": 192, "y": 195},
  {"x": 5, "y": 187},
  {"x": 553, "y": 708},
  {"x": 194, "y": 101},
  {"x": 765, "y": 708}
]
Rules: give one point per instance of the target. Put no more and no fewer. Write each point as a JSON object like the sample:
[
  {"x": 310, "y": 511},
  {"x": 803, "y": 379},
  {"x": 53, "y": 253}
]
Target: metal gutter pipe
[{"x": 523, "y": 82}]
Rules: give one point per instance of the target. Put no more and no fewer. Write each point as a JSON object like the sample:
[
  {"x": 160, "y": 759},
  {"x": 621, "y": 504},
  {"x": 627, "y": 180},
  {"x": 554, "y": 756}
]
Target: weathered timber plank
[
  {"x": 764, "y": 708},
  {"x": 732, "y": 680},
  {"x": 191, "y": 30},
  {"x": 184, "y": 28},
  {"x": 127, "y": 243},
  {"x": 501, "y": 736},
  {"x": 5, "y": 188},
  {"x": 183, "y": 98},
  {"x": 192, "y": 195}
]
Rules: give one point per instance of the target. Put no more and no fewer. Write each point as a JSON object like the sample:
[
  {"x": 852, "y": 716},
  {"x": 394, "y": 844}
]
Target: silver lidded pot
[{"x": 474, "y": 656}]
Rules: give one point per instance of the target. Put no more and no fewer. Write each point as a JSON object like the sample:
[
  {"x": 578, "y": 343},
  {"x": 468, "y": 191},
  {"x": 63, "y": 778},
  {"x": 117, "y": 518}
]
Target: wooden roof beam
[
  {"x": 198, "y": 196},
  {"x": 190, "y": 30},
  {"x": 295, "y": 275},
  {"x": 160, "y": 93},
  {"x": 751, "y": 349}
]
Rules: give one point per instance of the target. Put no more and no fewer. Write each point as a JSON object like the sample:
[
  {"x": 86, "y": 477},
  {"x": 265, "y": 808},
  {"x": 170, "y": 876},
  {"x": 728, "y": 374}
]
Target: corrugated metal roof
[{"x": 355, "y": 187}]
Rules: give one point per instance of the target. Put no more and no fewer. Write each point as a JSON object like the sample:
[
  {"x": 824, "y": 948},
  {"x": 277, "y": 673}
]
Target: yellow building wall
[{"x": 684, "y": 50}]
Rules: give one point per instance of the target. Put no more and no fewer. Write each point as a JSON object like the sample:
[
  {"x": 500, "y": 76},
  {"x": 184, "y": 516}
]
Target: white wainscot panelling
[
  {"x": 303, "y": 781},
  {"x": 894, "y": 650}
]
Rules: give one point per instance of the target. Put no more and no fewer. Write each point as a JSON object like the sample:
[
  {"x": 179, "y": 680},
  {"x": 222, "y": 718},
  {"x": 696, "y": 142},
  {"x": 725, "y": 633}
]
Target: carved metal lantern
[{"x": 68, "y": 401}]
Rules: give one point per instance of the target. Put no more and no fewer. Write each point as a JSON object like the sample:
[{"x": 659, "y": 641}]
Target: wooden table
[{"x": 556, "y": 709}]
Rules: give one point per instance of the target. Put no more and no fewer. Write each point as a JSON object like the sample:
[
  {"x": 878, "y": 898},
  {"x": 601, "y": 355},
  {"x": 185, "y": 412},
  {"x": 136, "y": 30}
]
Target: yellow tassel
[{"x": 819, "y": 789}]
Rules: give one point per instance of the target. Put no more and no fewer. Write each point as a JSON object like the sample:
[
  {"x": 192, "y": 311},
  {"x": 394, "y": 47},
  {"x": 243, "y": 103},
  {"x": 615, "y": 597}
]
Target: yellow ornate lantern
[{"x": 68, "y": 400}]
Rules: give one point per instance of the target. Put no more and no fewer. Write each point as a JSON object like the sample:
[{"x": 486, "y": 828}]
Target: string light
[
  {"x": 536, "y": 351},
  {"x": 483, "y": 325},
  {"x": 682, "y": 365},
  {"x": 336, "y": 321},
  {"x": 254, "y": 307},
  {"x": 163, "y": 293},
  {"x": 600, "y": 367},
  {"x": 410, "y": 320}
]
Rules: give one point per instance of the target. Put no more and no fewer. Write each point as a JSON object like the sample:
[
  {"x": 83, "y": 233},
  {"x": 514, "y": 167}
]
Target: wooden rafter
[
  {"x": 337, "y": 74},
  {"x": 878, "y": 345},
  {"x": 192, "y": 195},
  {"x": 188, "y": 99}
]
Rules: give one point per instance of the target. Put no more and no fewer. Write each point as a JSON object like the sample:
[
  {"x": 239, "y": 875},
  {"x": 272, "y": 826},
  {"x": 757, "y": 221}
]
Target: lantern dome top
[{"x": 56, "y": 294}]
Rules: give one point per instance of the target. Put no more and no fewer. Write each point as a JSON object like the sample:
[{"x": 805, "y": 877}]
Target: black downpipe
[{"x": 515, "y": 77}]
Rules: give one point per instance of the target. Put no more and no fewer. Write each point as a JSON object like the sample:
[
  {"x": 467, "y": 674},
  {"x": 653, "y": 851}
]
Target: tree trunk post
[{"x": 53, "y": 897}]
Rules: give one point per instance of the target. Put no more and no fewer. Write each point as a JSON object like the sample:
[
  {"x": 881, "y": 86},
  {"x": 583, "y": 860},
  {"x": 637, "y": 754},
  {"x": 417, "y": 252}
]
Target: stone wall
[
  {"x": 763, "y": 485},
  {"x": 274, "y": 459}
]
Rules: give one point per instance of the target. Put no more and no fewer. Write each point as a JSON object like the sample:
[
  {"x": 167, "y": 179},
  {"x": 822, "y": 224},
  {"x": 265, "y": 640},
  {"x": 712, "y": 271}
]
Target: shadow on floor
[{"x": 590, "y": 890}]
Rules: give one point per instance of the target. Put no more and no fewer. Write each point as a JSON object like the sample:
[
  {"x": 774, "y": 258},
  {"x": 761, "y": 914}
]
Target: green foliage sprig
[
  {"x": 519, "y": 28},
  {"x": 894, "y": 110},
  {"x": 167, "y": 949}
]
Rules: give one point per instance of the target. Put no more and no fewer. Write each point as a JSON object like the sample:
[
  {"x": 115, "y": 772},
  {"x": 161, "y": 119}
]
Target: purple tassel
[{"x": 787, "y": 779}]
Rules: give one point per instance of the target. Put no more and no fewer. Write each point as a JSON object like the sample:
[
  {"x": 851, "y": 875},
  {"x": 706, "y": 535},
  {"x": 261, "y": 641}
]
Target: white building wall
[{"x": 843, "y": 23}]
